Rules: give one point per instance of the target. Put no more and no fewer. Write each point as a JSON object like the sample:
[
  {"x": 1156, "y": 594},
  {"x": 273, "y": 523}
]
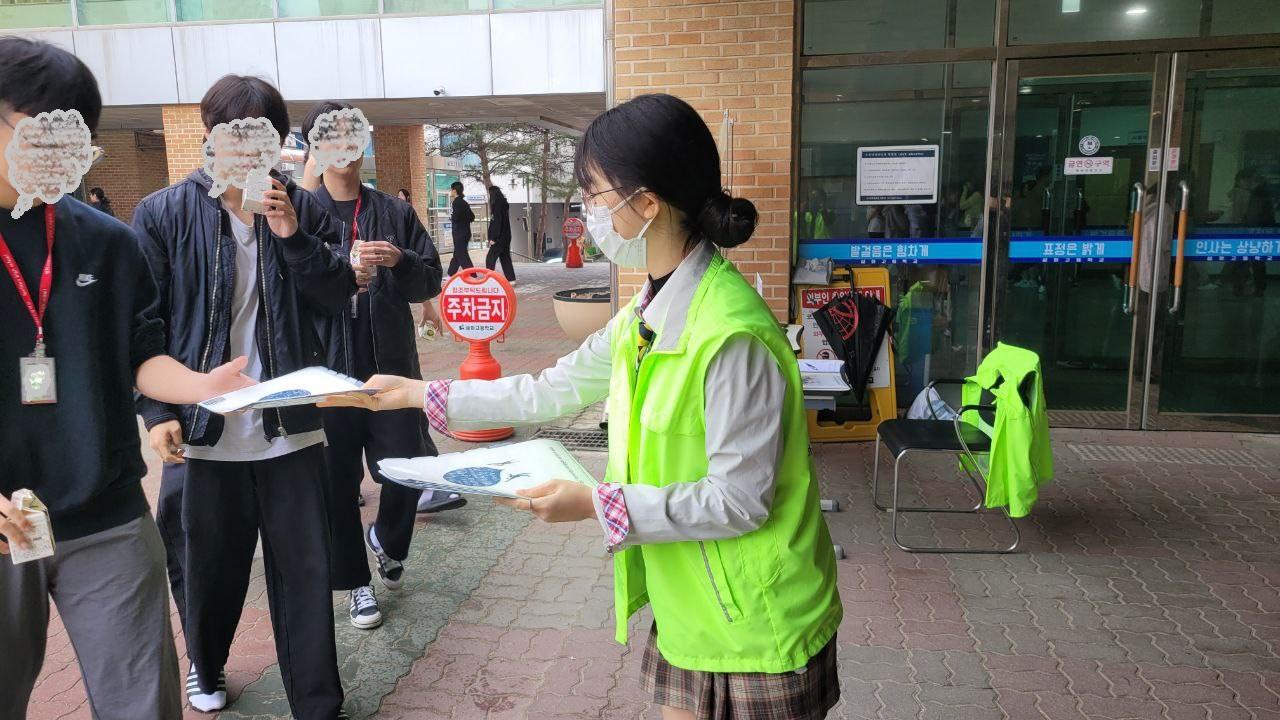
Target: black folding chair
[{"x": 902, "y": 437}]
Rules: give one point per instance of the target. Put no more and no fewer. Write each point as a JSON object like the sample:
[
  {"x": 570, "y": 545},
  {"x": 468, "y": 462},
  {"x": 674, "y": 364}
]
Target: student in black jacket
[
  {"x": 231, "y": 281},
  {"x": 460, "y": 217},
  {"x": 398, "y": 265},
  {"x": 80, "y": 453},
  {"x": 500, "y": 233}
]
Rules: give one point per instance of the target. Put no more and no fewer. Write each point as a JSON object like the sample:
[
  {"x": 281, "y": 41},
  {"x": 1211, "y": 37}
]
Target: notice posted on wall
[{"x": 898, "y": 175}]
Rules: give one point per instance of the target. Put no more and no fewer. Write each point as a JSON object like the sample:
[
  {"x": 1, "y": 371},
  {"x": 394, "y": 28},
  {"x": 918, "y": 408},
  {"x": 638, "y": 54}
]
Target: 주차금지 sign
[
  {"x": 477, "y": 305},
  {"x": 898, "y": 175}
]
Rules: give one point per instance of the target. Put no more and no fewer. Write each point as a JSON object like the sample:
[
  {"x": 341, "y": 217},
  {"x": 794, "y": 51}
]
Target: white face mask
[{"x": 622, "y": 252}]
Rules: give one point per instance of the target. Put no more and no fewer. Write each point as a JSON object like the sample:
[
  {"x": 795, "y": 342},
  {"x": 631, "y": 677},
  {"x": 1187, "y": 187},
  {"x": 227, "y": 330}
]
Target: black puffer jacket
[
  {"x": 415, "y": 279},
  {"x": 184, "y": 235}
]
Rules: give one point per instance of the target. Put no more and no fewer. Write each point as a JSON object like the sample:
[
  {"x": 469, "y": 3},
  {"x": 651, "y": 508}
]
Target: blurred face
[
  {"x": 403, "y": 195},
  {"x": 630, "y": 210}
]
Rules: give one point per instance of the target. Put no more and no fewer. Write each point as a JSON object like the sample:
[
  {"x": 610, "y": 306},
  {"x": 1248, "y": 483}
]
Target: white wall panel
[
  {"x": 421, "y": 54},
  {"x": 205, "y": 53},
  {"x": 548, "y": 52},
  {"x": 61, "y": 38},
  {"x": 329, "y": 59},
  {"x": 134, "y": 66}
]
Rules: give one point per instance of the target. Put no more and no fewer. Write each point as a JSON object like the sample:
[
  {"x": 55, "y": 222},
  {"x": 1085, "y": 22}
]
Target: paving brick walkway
[{"x": 1148, "y": 588}]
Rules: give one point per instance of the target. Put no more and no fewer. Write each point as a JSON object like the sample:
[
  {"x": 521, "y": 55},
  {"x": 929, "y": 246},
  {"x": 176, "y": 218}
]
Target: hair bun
[{"x": 727, "y": 221}]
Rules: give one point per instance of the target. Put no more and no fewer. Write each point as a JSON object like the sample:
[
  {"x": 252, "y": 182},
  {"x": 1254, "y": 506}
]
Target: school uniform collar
[{"x": 668, "y": 311}]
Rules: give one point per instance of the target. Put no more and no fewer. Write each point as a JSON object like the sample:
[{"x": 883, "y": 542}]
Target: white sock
[
  {"x": 202, "y": 701},
  {"x": 373, "y": 539}
]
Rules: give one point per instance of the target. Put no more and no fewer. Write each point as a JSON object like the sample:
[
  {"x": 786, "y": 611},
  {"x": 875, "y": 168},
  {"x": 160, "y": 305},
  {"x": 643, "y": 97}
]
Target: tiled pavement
[{"x": 1145, "y": 590}]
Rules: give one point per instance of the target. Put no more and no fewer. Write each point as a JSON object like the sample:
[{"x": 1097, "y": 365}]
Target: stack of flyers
[
  {"x": 496, "y": 471},
  {"x": 300, "y": 387}
]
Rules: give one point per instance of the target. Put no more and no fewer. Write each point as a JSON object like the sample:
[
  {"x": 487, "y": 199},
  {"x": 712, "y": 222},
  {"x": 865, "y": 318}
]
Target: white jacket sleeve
[
  {"x": 577, "y": 380},
  {"x": 745, "y": 392}
]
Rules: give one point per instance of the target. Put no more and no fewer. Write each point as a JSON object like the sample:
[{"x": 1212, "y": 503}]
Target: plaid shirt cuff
[
  {"x": 436, "y": 405},
  {"x": 613, "y": 514}
]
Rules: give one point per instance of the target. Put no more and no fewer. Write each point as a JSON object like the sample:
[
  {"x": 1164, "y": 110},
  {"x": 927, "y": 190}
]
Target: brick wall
[
  {"x": 126, "y": 173},
  {"x": 402, "y": 163},
  {"x": 183, "y": 137},
  {"x": 718, "y": 56}
]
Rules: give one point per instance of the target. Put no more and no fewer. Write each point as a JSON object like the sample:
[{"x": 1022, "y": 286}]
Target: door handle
[
  {"x": 1131, "y": 290},
  {"x": 1181, "y": 261}
]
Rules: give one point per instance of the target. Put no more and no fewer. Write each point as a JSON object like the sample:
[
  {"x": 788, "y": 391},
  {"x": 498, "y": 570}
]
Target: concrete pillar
[
  {"x": 183, "y": 138},
  {"x": 132, "y": 167},
  {"x": 734, "y": 56}
]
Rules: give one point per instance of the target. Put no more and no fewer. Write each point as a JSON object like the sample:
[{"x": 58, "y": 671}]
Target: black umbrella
[{"x": 855, "y": 325}]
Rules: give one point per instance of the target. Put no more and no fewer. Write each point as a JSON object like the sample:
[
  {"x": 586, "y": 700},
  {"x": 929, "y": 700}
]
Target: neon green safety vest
[
  {"x": 1021, "y": 458},
  {"x": 765, "y": 601}
]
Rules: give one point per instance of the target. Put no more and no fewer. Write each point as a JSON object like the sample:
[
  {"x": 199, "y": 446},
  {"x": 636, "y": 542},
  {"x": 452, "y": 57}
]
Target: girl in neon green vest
[{"x": 709, "y": 505}]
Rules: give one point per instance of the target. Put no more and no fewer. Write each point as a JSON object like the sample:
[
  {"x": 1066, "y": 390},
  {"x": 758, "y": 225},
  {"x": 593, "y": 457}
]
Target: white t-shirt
[{"x": 243, "y": 437}]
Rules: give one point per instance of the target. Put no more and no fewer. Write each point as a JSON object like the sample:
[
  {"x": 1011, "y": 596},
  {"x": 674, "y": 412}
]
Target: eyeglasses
[{"x": 587, "y": 198}]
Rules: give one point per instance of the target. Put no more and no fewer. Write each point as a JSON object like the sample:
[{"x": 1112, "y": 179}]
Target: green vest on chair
[
  {"x": 1021, "y": 458},
  {"x": 765, "y": 601}
]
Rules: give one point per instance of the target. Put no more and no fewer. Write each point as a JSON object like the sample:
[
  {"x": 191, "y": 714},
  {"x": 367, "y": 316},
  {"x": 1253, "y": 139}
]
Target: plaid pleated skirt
[{"x": 806, "y": 694}]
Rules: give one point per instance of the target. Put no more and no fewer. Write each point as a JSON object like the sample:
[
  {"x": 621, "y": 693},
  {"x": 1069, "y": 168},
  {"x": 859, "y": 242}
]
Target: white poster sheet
[
  {"x": 301, "y": 387},
  {"x": 898, "y": 175}
]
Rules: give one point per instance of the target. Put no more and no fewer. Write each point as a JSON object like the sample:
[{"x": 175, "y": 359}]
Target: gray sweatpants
[{"x": 111, "y": 594}]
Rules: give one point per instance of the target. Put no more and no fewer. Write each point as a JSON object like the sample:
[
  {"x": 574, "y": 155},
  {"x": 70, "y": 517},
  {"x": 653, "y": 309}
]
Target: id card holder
[{"x": 39, "y": 378}]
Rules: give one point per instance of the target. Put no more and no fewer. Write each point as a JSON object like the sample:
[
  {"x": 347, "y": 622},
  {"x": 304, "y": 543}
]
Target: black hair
[
  {"x": 456, "y": 187},
  {"x": 97, "y": 191},
  {"x": 36, "y": 77},
  {"x": 495, "y": 194},
  {"x": 659, "y": 142},
  {"x": 316, "y": 112},
  {"x": 235, "y": 97},
  {"x": 407, "y": 195}
]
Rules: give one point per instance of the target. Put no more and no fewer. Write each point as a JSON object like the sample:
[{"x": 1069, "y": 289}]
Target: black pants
[
  {"x": 224, "y": 507},
  {"x": 169, "y": 520},
  {"x": 355, "y": 434},
  {"x": 501, "y": 252},
  {"x": 461, "y": 256}
]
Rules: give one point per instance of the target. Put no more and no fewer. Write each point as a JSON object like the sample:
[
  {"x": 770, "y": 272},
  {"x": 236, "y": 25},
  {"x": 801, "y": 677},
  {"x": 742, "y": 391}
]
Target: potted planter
[{"x": 582, "y": 311}]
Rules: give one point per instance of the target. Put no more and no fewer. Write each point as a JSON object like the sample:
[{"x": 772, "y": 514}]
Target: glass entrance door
[
  {"x": 1215, "y": 316},
  {"x": 1078, "y": 138}
]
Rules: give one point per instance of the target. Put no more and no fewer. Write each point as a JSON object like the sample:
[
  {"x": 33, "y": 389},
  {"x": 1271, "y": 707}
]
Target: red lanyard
[
  {"x": 46, "y": 277},
  {"x": 355, "y": 219}
]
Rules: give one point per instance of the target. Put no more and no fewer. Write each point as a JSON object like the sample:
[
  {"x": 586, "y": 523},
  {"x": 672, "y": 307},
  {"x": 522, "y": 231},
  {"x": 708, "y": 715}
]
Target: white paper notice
[
  {"x": 339, "y": 138},
  {"x": 236, "y": 152},
  {"x": 48, "y": 155},
  {"x": 498, "y": 471},
  {"x": 1088, "y": 166},
  {"x": 898, "y": 175}
]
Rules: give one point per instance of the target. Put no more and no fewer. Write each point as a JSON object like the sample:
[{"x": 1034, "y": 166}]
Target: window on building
[
  {"x": 528, "y": 4},
  {"x": 933, "y": 249},
  {"x": 197, "y": 10},
  {"x": 326, "y": 8},
  {"x": 16, "y": 14},
  {"x": 1055, "y": 21},
  {"x": 433, "y": 7},
  {"x": 121, "y": 12},
  {"x": 858, "y": 26}
]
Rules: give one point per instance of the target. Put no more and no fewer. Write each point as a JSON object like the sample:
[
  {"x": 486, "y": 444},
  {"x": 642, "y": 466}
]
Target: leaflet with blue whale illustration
[
  {"x": 499, "y": 471},
  {"x": 302, "y": 387}
]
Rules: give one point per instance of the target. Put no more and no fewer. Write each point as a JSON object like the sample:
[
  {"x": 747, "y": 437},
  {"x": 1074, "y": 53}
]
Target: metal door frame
[
  {"x": 1003, "y": 137},
  {"x": 1157, "y": 322}
]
